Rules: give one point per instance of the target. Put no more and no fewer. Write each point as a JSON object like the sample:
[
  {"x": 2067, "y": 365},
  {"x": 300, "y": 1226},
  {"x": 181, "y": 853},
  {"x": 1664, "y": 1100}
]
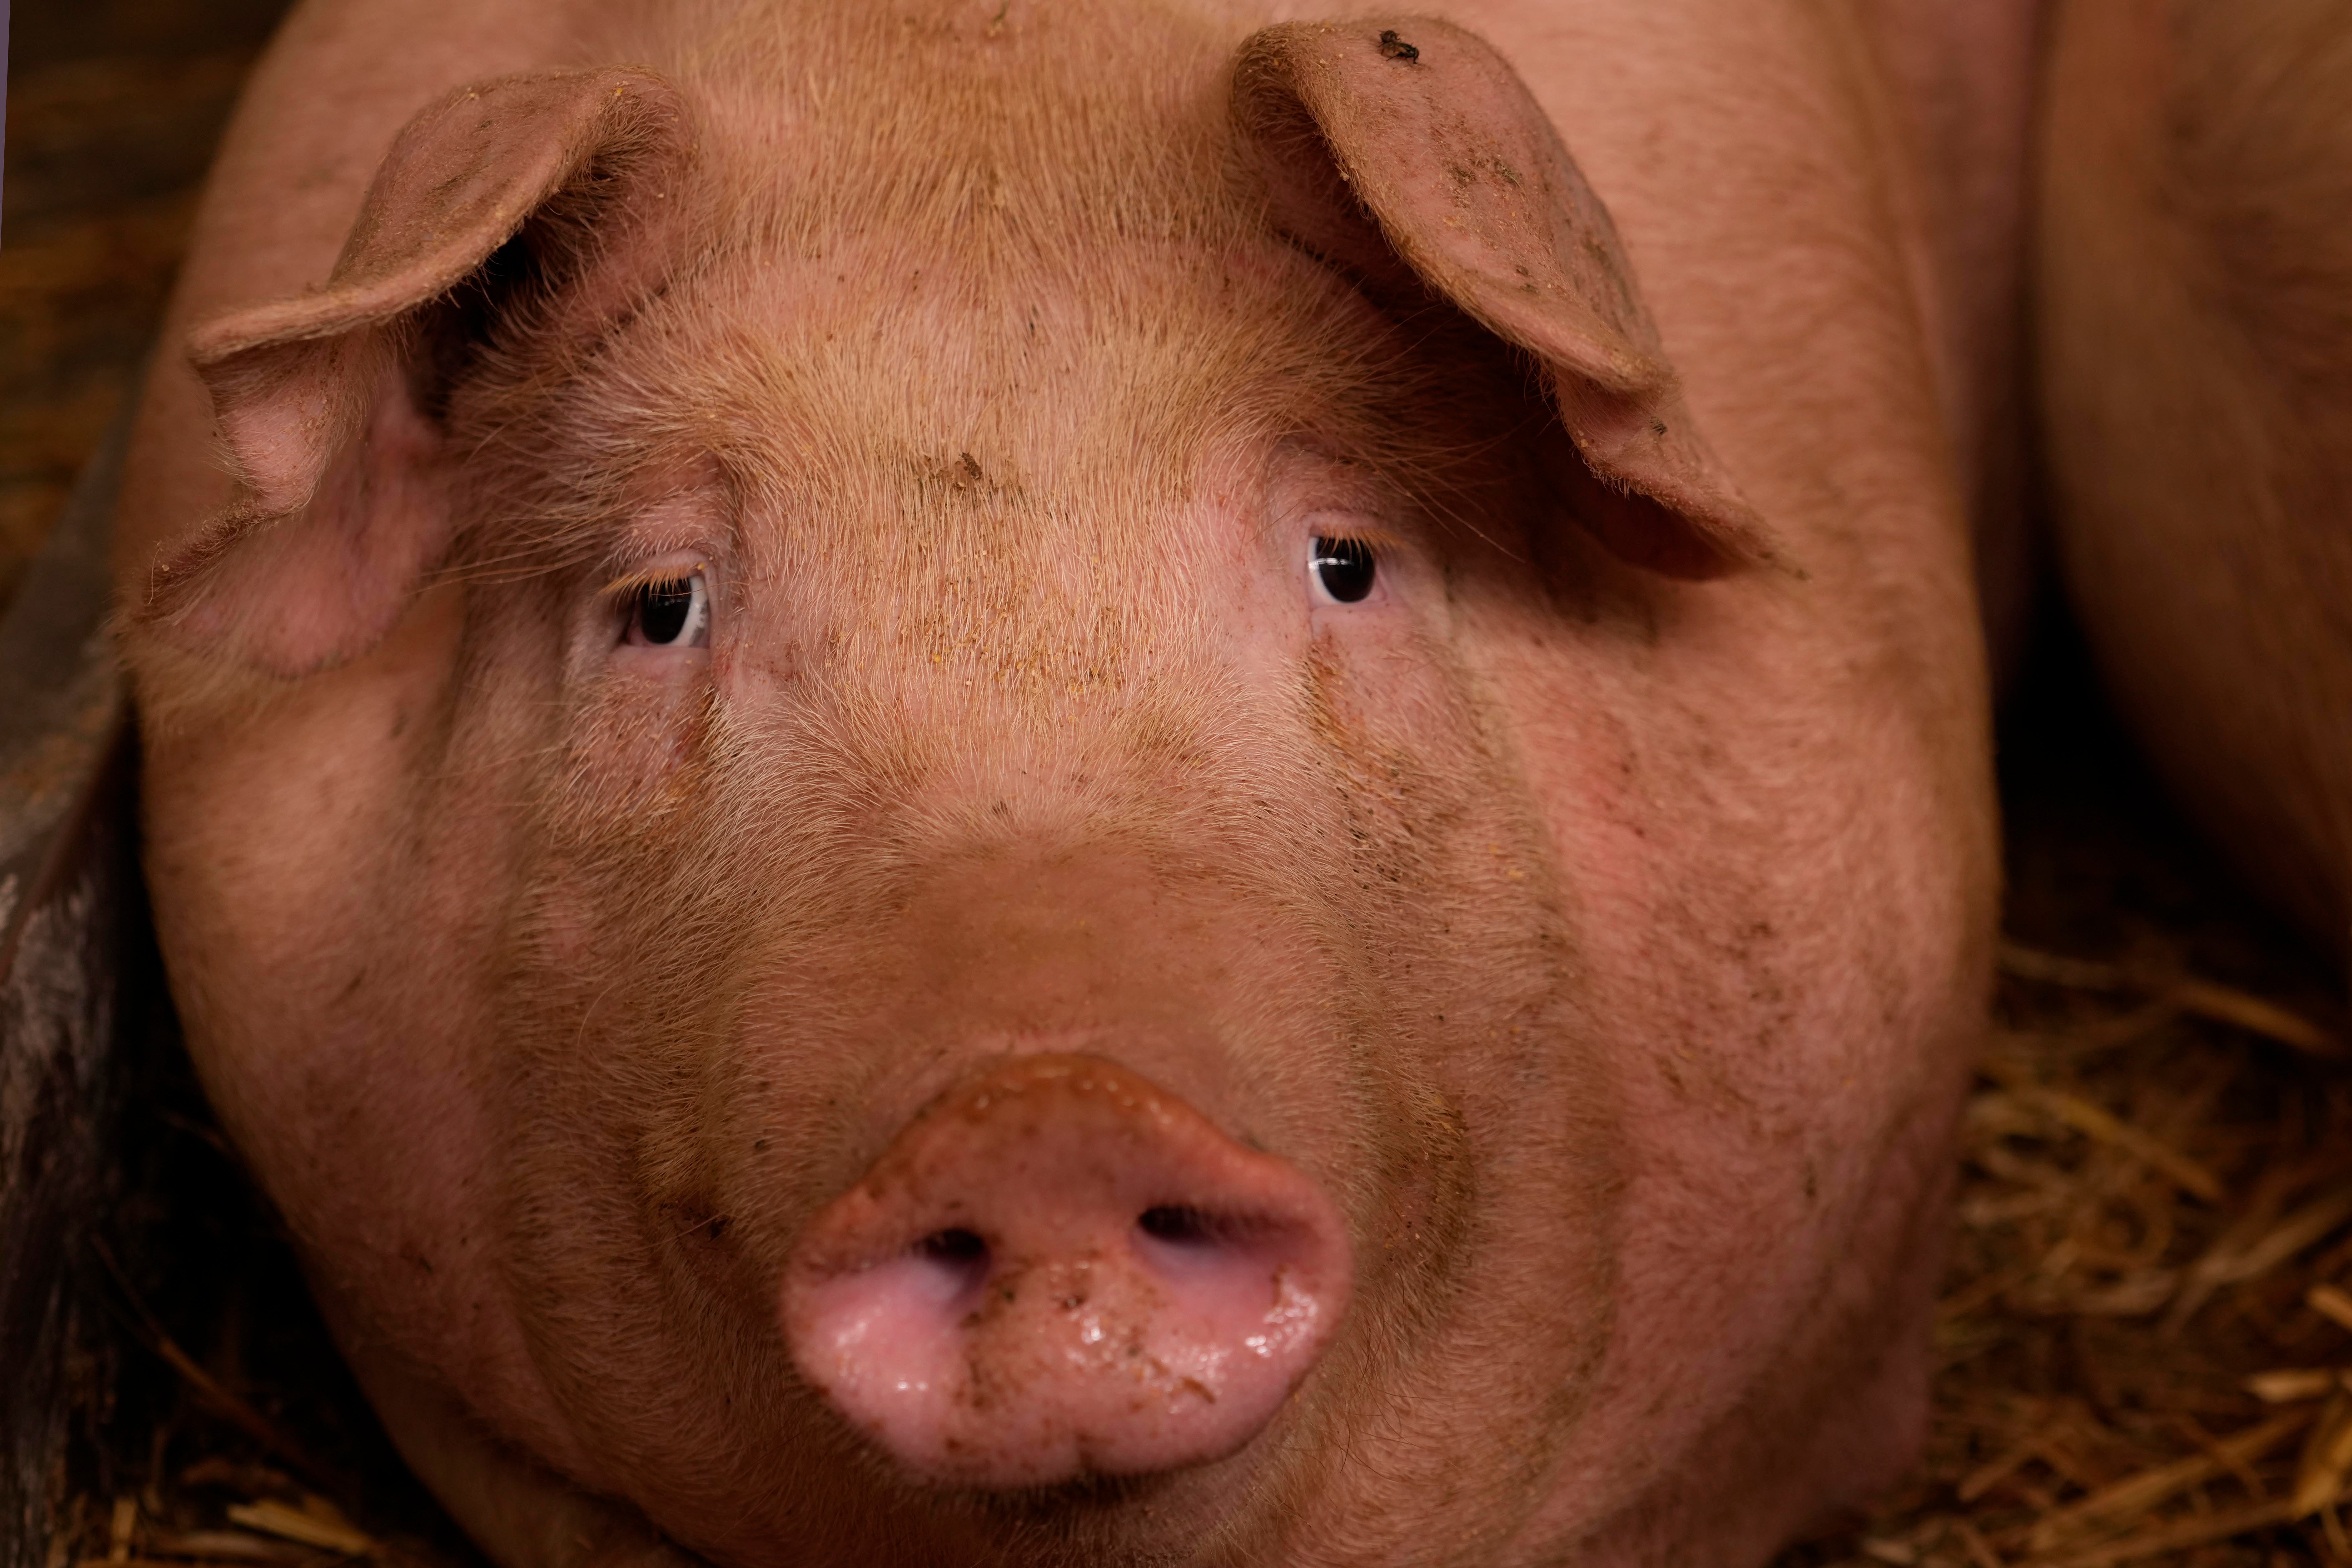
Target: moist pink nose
[{"x": 1059, "y": 1270}]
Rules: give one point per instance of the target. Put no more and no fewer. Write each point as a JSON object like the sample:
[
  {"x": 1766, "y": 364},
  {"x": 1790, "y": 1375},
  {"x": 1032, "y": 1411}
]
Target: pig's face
[
  {"x": 1003, "y": 895},
  {"x": 993, "y": 697}
]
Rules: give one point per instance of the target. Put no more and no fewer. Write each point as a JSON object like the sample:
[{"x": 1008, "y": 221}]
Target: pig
[
  {"x": 977, "y": 781},
  {"x": 2195, "y": 373}
]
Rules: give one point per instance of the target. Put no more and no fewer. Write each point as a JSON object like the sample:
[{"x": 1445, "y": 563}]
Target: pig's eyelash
[
  {"x": 1383, "y": 545},
  {"x": 1343, "y": 522},
  {"x": 648, "y": 577}
]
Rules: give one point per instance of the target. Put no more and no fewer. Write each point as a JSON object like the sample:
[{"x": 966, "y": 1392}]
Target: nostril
[
  {"x": 1179, "y": 1226},
  {"x": 1211, "y": 1256},
  {"x": 955, "y": 1260},
  {"x": 956, "y": 1248}
]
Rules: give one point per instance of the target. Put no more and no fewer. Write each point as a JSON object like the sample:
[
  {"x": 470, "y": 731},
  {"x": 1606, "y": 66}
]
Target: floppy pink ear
[
  {"x": 517, "y": 206},
  {"x": 1404, "y": 151}
]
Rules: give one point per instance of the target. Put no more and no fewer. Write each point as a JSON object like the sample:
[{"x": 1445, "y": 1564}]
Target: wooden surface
[
  {"x": 67, "y": 922},
  {"x": 113, "y": 108}
]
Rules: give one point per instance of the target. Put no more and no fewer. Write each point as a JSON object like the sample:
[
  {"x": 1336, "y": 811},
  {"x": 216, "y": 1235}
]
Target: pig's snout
[{"x": 1058, "y": 1270}]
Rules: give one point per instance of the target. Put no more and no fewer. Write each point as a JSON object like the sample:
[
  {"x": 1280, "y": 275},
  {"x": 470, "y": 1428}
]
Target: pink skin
[
  {"x": 1565, "y": 967},
  {"x": 1959, "y": 99},
  {"x": 1059, "y": 1270},
  {"x": 2191, "y": 264}
]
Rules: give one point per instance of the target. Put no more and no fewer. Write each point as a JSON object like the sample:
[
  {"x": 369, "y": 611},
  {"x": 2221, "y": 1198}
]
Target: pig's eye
[
  {"x": 1343, "y": 569},
  {"x": 671, "y": 613}
]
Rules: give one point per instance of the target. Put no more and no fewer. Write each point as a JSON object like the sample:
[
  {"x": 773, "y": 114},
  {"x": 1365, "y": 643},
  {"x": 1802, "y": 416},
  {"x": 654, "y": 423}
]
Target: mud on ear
[
  {"x": 1403, "y": 151},
  {"x": 517, "y": 216}
]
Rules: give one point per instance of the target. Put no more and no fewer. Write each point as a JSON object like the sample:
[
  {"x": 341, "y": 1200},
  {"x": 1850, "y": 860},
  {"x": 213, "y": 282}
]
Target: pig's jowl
[{"x": 1057, "y": 783}]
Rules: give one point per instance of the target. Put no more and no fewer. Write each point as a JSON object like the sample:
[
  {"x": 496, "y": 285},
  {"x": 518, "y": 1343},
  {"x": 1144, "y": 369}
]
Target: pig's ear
[
  {"x": 518, "y": 211},
  {"x": 1403, "y": 151}
]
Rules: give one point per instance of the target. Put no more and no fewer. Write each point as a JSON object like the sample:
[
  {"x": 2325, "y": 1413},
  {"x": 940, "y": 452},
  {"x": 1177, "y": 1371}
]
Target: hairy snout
[{"x": 1060, "y": 1269}]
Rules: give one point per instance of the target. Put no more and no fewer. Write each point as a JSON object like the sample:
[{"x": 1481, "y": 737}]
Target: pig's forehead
[
  {"x": 940, "y": 116},
  {"x": 1123, "y": 309},
  {"x": 938, "y": 222},
  {"x": 1152, "y": 356}
]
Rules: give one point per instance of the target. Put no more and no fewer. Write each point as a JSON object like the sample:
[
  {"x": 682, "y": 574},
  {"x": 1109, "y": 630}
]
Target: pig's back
[{"x": 2195, "y": 256}]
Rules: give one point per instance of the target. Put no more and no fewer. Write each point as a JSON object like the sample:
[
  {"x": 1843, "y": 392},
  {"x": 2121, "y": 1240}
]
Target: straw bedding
[{"x": 2144, "y": 1341}]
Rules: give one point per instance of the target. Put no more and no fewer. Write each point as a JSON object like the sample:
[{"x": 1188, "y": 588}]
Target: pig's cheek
[
  {"x": 562, "y": 924},
  {"x": 1381, "y": 674},
  {"x": 280, "y": 823},
  {"x": 635, "y": 746}
]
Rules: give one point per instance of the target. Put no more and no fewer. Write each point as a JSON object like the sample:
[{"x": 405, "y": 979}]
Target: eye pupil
[
  {"x": 1344, "y": 567},
  {"x": 664, "y": 609}
]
